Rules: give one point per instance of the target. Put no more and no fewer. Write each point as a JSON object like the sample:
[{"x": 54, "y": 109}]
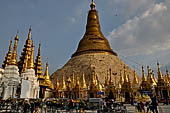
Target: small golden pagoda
[
  {"x": 8, "y": 56},
  {"x": 126, "y": 89},
  {"x": 163, "y": 88},
  {"x": 93, "y": 87},
  {"x": 110, "y": 90},
  {"x": 144, "y": 84}
]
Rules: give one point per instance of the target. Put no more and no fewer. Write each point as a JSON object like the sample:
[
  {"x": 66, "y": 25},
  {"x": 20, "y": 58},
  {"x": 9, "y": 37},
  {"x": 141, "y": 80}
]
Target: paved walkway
[{"x": 161, "y": 108}]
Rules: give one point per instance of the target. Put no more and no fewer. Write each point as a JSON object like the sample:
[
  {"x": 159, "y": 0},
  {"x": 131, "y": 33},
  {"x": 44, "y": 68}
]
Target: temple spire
[
  {"x": 13, "y": 60},
  {"x": 38, "y": 63},
  {"x": 126, "y": 79},
  {"x": 31, "y": 60},
  {"x": 84, "y": 82},
  {"x": 159, "y": 72},
  {"x": 135, "y": 79},
  {"x": 26, "y": 51},
  {"x": 57, "y": 84},
  {"x": 46, "y": 75},
  {"x": 8, "y": 56},
  {"x": 143, "y": 74},
  {"x": 121, "y": 78},
  {"x": 63, "y": 83},
  {"x": 29, "y": 34},
  {"x": 92, "y": 5},
  {"x": 155, "y": 81}
]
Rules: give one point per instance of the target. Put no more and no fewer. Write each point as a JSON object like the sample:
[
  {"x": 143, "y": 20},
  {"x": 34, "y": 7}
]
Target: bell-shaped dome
[{"x": 93, "y": 40}]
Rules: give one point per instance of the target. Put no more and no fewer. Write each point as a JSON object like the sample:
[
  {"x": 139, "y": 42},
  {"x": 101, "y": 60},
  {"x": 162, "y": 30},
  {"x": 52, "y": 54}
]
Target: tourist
[{"x": 154, "y": 103}]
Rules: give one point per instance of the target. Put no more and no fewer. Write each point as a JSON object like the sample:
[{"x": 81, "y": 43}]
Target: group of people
[{"x": 150, "y": 106}]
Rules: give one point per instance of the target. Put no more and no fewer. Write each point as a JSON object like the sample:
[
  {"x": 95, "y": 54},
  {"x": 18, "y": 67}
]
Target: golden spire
[
  {"x": 154, "y": 79},
  {"x": 57, "y": 84},
  {"x": 38, "y": 64},
  {"x": 84, "y": 86},
  {"x": 13, "y": 60},
  {"x": 149, "y": 74},
  {"x": 125, "y": 75},
  {"x": 46, "y": 75},
  {"x": 143, "y": 74},
  {"x": 93, "y": 40},
  {"x": 121, "y": 78},
  {"x": 31, "y": 60},
  {"x": 8, "y": 56},
  {"x": 166, "y": 79},
  {"x": 92, "y": 5},
  {"x": 25, "y": 65},
  {"x": 26, "y": 51},
  {"x": 159, "y": 72},
  {"x": 135, "y": 79},
  {"x": 63, "y": 84},
  {"x": 29, "y": 34},
  {"x": 78, "y": 79}
]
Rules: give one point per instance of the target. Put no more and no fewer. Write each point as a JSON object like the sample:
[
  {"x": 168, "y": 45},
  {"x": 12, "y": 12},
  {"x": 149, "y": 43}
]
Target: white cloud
[{"x": 144, "y": 34}]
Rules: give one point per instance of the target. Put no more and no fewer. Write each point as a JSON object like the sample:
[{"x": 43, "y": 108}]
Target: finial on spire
[
  {"x": 17, "y": 37},
  {"x": 30, "y": 29},
  {"x": 31, "y": 60},
  {"x": 92, "y": 5},
  {"x": 13, "y": 60}
]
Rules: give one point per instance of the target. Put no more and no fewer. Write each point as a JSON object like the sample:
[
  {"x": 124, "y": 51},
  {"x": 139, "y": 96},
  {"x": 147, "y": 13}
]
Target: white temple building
[{"x": 23, "y": 78}]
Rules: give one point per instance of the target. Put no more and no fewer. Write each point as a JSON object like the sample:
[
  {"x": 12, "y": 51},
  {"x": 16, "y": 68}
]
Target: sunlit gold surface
[
  {"x": 38, "y": 63},
  {"x": 93, "y": 40},
  {"x": 31, "y": 60},
  {"x": 8, "y": 56},
  {"x": 135, "y": 79},
  {"x": 26, "y": 51},
  {"x": 13, "y": 60}
]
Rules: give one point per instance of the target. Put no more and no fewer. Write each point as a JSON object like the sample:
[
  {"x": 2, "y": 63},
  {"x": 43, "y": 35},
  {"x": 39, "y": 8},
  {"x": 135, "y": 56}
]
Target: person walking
[{"x": 154, "y": 104}]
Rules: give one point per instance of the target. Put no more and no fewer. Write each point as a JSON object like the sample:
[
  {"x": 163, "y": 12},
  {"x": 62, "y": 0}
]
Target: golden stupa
[
  {"x": 93, "y": 40},
  {"x": 93, "y": 54}
]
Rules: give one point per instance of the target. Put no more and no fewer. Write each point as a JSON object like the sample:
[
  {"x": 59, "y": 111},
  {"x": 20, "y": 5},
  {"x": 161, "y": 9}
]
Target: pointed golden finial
[
  {"x": 159, "y": 72},
  {"x": 121, "y": 78},
  {"x": 167, "y": 73},
  {"x": 135, "y": 79},
  {"x": 92, "y": 5},
  {"x": 13, "y": 60},
  {"x": 31, "y": 60},
  {"x": 8, "y": 56},
  {"x": 155, "y": 81},
  {"x": 63, "y": 84},
  {"x": 84, "y": 86},
  {"x": 149, "y": 74},
  {"x": 57, "y": 84},
  {"x": 25, "y": 64},
  {"x": 78, "y": 79},
  {"x": 29, "y": 34},
  {"x": 125, "y": 75},
  {"x": 143, "y": 74},
  {"x": 46, "y": 75},
  {"x": 38, "y": 63}
]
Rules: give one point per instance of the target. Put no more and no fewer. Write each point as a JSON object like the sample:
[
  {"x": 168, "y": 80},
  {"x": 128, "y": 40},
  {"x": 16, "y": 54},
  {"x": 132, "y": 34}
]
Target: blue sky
[{"x": 138, "y": 30}]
